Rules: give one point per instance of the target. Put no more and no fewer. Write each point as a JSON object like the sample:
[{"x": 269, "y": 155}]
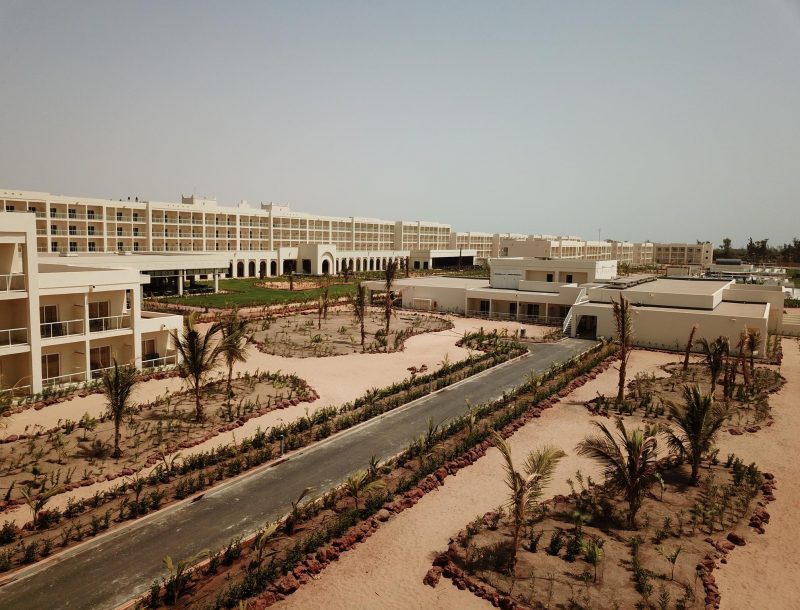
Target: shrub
[{"x": 556, "y": 542}]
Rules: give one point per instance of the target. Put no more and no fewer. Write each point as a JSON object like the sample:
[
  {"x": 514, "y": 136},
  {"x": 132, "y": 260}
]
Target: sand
[{"x": 387, "y": 570}]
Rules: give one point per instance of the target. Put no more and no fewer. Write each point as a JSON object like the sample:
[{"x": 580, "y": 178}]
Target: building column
[
  {"x": 180, "y": 284},
  {"x": 87, "y": 340},
  {"x": 136, "y": 319},
  {"x": 216, "y": 283}
]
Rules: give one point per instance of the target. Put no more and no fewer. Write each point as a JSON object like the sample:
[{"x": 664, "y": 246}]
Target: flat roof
[
  {"x": 675, "y": 286},
  {"x": 725, "y": 308}
]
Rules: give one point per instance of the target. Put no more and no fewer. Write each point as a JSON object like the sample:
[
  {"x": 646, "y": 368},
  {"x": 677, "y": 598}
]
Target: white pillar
[
  {"x": 180, "y": 284},
  {"x": 216, "y": 283},
  {"x": 136, "y": 318}
]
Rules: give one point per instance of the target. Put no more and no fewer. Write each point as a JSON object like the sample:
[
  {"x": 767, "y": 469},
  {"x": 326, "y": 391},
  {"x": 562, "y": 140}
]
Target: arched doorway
[
  {"x": 273, "y": 268},
  {"x": 262, "y": 270},
  {"x": 240, "y": 269},
  {"x": 372, "y": 264},
  {"x": 326, "y": 267},
  {"x": 251, "y": 269}
]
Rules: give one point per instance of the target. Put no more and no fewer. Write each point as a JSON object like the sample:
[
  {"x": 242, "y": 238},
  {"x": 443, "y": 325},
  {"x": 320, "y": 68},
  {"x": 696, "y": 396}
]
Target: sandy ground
[
  {"x": 387, "y": 570},
  {"x": 337, "y": 379},
  {"x": 764, "y": 573}
]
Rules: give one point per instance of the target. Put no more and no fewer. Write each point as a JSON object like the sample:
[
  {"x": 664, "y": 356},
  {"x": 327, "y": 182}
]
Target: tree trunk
[
  {"x": 695, "y": 470},
  {"x": 117, "y": 452},
  {"x": 363, "y": 331},
  {"x": 198, "y": 407},
  {"x": 622, "y": 372}
]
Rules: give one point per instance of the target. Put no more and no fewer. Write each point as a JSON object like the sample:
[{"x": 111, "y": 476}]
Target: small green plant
[{"x": 556, "y": 542}]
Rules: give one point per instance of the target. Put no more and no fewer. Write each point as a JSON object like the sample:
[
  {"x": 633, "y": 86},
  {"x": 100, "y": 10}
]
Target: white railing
[
  {"x": 67, "y": 328},
  {"x": 567, "y": 322},
  {"x": 12, "y": 282},
  {"x": 64, "y": 379},
  {"x": 157, "y": 363},
  {"x": 97, "y": 373},
  {"x": 519, "y": 317},
  {"x": 13, "y": 336},
  {"x": 17, "y": 390},
  {"x": 99, "y": 325}
]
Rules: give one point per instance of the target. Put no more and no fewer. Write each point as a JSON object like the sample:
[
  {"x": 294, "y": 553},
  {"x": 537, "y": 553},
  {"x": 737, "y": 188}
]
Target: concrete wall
[{"x": 754, "y": 293}]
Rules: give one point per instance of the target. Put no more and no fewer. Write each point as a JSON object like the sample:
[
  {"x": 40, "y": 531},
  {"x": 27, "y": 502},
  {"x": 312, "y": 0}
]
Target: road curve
[{"x": 109, "y": 571}]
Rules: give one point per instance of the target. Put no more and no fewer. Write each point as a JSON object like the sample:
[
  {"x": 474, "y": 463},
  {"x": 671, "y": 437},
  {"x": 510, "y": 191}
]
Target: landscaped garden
[{"x": 333, "y": 334}]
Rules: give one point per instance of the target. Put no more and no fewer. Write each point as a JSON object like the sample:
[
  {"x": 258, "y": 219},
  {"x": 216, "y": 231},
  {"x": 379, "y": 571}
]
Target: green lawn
[{"x": 245, "y": 293}]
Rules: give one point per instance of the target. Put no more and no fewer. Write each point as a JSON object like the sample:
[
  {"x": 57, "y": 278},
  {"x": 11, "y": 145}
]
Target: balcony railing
[
  {"x": 99, "y": 325},
  {"x": 67, "y": 328},
  {"x": 13, "y": 336},
  {"x": 70, "y": 378},
  {"x": 16, "y": 391},
  {"x": 12, "y": 282},
  {"x": 519, "y": 317},
  {"x": 97, "y": 372},
  {"x": 154, "y": 361}
]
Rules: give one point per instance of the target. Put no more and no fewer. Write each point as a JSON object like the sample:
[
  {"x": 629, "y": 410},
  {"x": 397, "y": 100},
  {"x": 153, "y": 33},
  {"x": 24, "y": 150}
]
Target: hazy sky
[{"x": 656, "y": 120}]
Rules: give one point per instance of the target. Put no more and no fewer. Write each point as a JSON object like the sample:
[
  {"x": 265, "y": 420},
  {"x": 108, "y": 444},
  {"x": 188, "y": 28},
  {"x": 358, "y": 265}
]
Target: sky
[{"x": 667, "y": 121}]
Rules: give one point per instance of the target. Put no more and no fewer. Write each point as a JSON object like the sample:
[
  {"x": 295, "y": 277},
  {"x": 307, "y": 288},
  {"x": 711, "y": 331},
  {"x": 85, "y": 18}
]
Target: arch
[
  {"x": 372, "y": 264},
  {"x": 251, "y": 269},
  {"x": 240, "y": 269},
  {"x": 230, "y": 268},
  {"x": 262, "y": 269},
  {"x": 358, "y": 264},
  {"x": 273, "y": 268},
  {"x": 326, "y": 266}
]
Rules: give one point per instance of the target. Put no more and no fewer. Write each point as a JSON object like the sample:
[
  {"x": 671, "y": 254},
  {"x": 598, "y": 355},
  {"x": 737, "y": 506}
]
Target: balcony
[
  {"x": 12, "y": 282},
  {"x": 156, "y": 361},
  {"x": 54, "y": 330},
  {"x": 100, "y": 325},
  {"x": 69, "y": 379},
  {"x": 10, "y": 337}
]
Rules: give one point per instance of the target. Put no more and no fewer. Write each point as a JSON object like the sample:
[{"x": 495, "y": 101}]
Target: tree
[
  {"x": 526, "y": 487},
  {"x": 726, "y": 247},
  {"x": 198, "y": 356},
  {"x": 715, "y": 352},
  {"x": 593, "y": 552},
  {"x": 698, "y": 420},
  {"x": 753, "y": 343},
  {"x": 233, "y": 348},
  {"x": 689, "y": 347},
  {"x": 359, "y": 484},
  {"x": 118, "y": 382},
  {"x": 629, "y": 461},
  {"x": 623, "y": 325},
  {"x": 358, "y": 301},
  {"x": 389, "y": 275},
  {"x": 37, "y": 502}
]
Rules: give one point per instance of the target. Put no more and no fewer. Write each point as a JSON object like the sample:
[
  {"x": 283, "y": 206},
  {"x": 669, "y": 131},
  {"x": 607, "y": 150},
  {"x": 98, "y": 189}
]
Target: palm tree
[
  {"x": 698, "y": 420},
  {"x": 359, "y": 484},
  {"x": 233, "y": 347},
  {"x": 389, "y": 275},
  {"x": 715, "y": 352},
  {"x": 198, "y": 356},
  {"x": 624, "y": 329},
  {"x": 753, "y": 343},
  {"x": 118, "y": 382},
  {"x": 526, "y": 487},
  {"x": 689, "y": 347},
  {"x": 358, "y": 300},
  {"x": 629, "y": 464}
]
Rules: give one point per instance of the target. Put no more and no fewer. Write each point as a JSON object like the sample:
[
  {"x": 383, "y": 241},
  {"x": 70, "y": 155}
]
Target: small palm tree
[
  {"x": 689, "y": 347},
  {"x": 37, "y": 502},
  {"x": 753, "y": 343},
  {"x": 233, "y": 347},
  {"x": 359, "y": 484},
  {"x": 629, "y": 461},
  {"x": 389, "y": 275},
  {"x": 358, "y": 301},
  {"x": 698, "y": 420},
  {"x": 715, "y": 352},
  {"x": 526, "y": 487},
  {"x": 623, "y": 324},
  {"x": 118, "y": 382},
  {"x": 198, "y": 355}
]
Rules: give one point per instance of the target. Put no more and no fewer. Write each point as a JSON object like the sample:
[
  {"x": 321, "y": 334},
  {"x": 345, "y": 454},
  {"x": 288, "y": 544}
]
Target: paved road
[{"x": 109, "y": 571}]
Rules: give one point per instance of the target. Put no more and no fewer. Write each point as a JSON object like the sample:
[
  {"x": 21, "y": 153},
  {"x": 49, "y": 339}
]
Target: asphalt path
[{"x": 107, "y": 572}]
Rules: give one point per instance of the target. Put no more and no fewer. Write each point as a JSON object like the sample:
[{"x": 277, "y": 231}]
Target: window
[
  {"x": 99, "y": 359},
  {"x": 149, "y": 350},
  {"x": 484, "y": 307},
  {"x": 97, "y": 311},
  {"x": 569, "y": 278},
  {"x": 90, "y": 229},
  {"x": 50, "y": 366},
  {"x": 533, "y": 310},
  {"x": 53, "y": 247},
  {"x": 512, "y": 309},
  {"x": 73, "y": 230},
  {"x": 53, "y": 212},
  {"x": 136, "y": 231},
  {"x": 92, "y": 247},
  {"x": 119, "y": 215},
  {"x": 549, "y": 277},
  {"x": 9, "y": 208},
  {"x": 73, "y": 213},
  {"x": 90, "y": 214},
  {"x": 54, "y": 229},
  {"x": 73, "y": 246},
  {"x": 136, "y": 217},
  {"x": 119, "y": 231},
  {"x": 120, "y": 246},
  {"x": 136, "y": 246}
]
